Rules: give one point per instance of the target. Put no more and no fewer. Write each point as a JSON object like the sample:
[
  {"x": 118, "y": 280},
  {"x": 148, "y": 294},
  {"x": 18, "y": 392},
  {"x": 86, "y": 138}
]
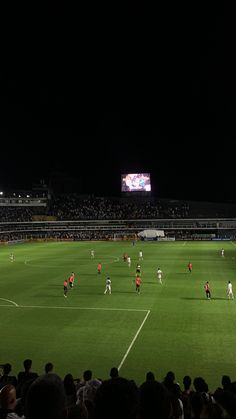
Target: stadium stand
[{"x": 75, "y": 217}]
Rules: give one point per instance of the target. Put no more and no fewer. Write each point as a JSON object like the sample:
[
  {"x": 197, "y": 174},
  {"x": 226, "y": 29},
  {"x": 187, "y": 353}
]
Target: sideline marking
[
  {"x": 10, "y": 301},
  {"x": 134, "y": 339}
]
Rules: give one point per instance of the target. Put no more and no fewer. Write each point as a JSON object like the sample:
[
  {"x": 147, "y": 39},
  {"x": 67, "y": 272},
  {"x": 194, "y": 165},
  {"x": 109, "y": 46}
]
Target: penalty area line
[
  {"x": 132, "y": 343},
  {"x": 72, "y": 307}
]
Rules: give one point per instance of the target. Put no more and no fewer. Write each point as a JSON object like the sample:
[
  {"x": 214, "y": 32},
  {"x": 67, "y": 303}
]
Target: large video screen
[{"x": 136, "y": 182}]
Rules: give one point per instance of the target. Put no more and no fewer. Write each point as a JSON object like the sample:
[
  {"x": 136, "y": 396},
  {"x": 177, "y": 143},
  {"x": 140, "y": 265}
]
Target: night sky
[{"x": 99, "y": 90}]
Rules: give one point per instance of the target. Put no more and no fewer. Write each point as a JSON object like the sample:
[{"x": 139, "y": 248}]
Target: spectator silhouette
[
  {"x": 8, "y": 402},
  {"x": 116, "y": 399},
  {"x": 20, "y": 407},
  {"x": 150, "y": 376},
  {"x": 187, "y": 381},
  {"x": 169, "y": 380},
  {"x": 155, "y": 401},
  {"x": 25, "y": 376},
  {"x": 6, "y": 378},
  {"x": 114, "y": 373},
  {"x": 46, "y": 398},
  {"x": 226, "y": 382},
  {"x": 197, "y": 404},
  {"x": 201, "y": 386},
  {"x": 48, "y": 368},
  {"x": 227, "y": 400},
  {"x": 70, "y": 390}
]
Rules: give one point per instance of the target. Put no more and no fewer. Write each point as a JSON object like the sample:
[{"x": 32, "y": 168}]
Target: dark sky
[{"x": 91, "y": 92}]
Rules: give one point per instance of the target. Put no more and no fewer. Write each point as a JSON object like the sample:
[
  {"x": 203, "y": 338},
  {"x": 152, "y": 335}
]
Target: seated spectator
[
  {"x": 48, "y": 368},
  {"x": 155, "y": 401},
  {"x": 87, "y": 388},
  {"x": 150, "y": 376},
  {"x": 197, "y": 404},
  {"x": 8, "y": 402},
  {"x": 116, "y": 399},
  {"x": 20, "y": 407},
  {"x": 70, "y": 390},
  {"x": 226, "y": 382},
  {"x": 114, "y": 373},
  {"x": 6, "y": 378},
  {"x": 201, "y": 386},
  {"x": 177, "y": 403},
  {"x": 227, "y": 400},
  {"x": 46, "y": 398},
  {"x": 169, "y": 380},
  {"x": 187, "y": 381},
  {"x": 25, "y": 376}
]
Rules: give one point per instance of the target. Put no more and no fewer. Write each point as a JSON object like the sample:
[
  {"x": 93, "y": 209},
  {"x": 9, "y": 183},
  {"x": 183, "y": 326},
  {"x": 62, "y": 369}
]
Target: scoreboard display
[{"x": 136, "y": 182}]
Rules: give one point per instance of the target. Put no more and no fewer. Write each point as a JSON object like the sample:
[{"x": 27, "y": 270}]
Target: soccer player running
[
  {"x": 138, "y": 269},
  {"x": 65, "y": 288},
  {"x": 129, "y": 261},
  {"x": 138, "y": 282},
  {"x": 92, "y": 253},
  {"x": 207, "y": 290},
  {"x": 108, "y": 286},
  {"x": 71, "y": 280},
  {"x": 190, "y": 267},
  {"x": 99, "y": 268},
  {"x": 222, "y": 253},
  {"x": 230, "y": 291}
]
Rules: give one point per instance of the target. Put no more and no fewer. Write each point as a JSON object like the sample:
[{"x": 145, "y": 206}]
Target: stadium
[
  {"x": 169, "y": 329},
  {"x": 117, "y": 211}
]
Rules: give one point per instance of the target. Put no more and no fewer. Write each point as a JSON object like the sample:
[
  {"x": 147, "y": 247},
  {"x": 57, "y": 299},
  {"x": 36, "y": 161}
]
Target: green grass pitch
[{"x": 167, "y": 327}]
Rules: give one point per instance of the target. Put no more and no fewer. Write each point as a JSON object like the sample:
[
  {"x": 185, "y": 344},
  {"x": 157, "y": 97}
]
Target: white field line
[
  {"x": 90, "y": 308},
  {"x": 134, "y": 339},
  {"x": 233, "y": 243},
  {"x": 184, "y": 243},
  {"x": 71, "y": 308},
  {"x": 10, "y": 301}
]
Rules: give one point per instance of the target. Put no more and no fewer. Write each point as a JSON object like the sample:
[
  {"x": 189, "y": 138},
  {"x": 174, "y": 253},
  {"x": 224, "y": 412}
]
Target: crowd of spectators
[
  {"x": 127, "y": 213},
  {"x": 74, "y": 207},
  {"x": 19, "y": 213},
  {"x": 31, "y": 395}
]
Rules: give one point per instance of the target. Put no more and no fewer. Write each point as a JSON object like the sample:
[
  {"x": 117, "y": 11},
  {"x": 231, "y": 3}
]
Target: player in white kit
[
  {"x": 159, "y": 275},
  {"x": 230, "y": 291},
  {"x": 108, "y": 286}
]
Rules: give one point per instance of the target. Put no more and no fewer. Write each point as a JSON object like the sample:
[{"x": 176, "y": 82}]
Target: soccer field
[{"x": 167, "y": 327}]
